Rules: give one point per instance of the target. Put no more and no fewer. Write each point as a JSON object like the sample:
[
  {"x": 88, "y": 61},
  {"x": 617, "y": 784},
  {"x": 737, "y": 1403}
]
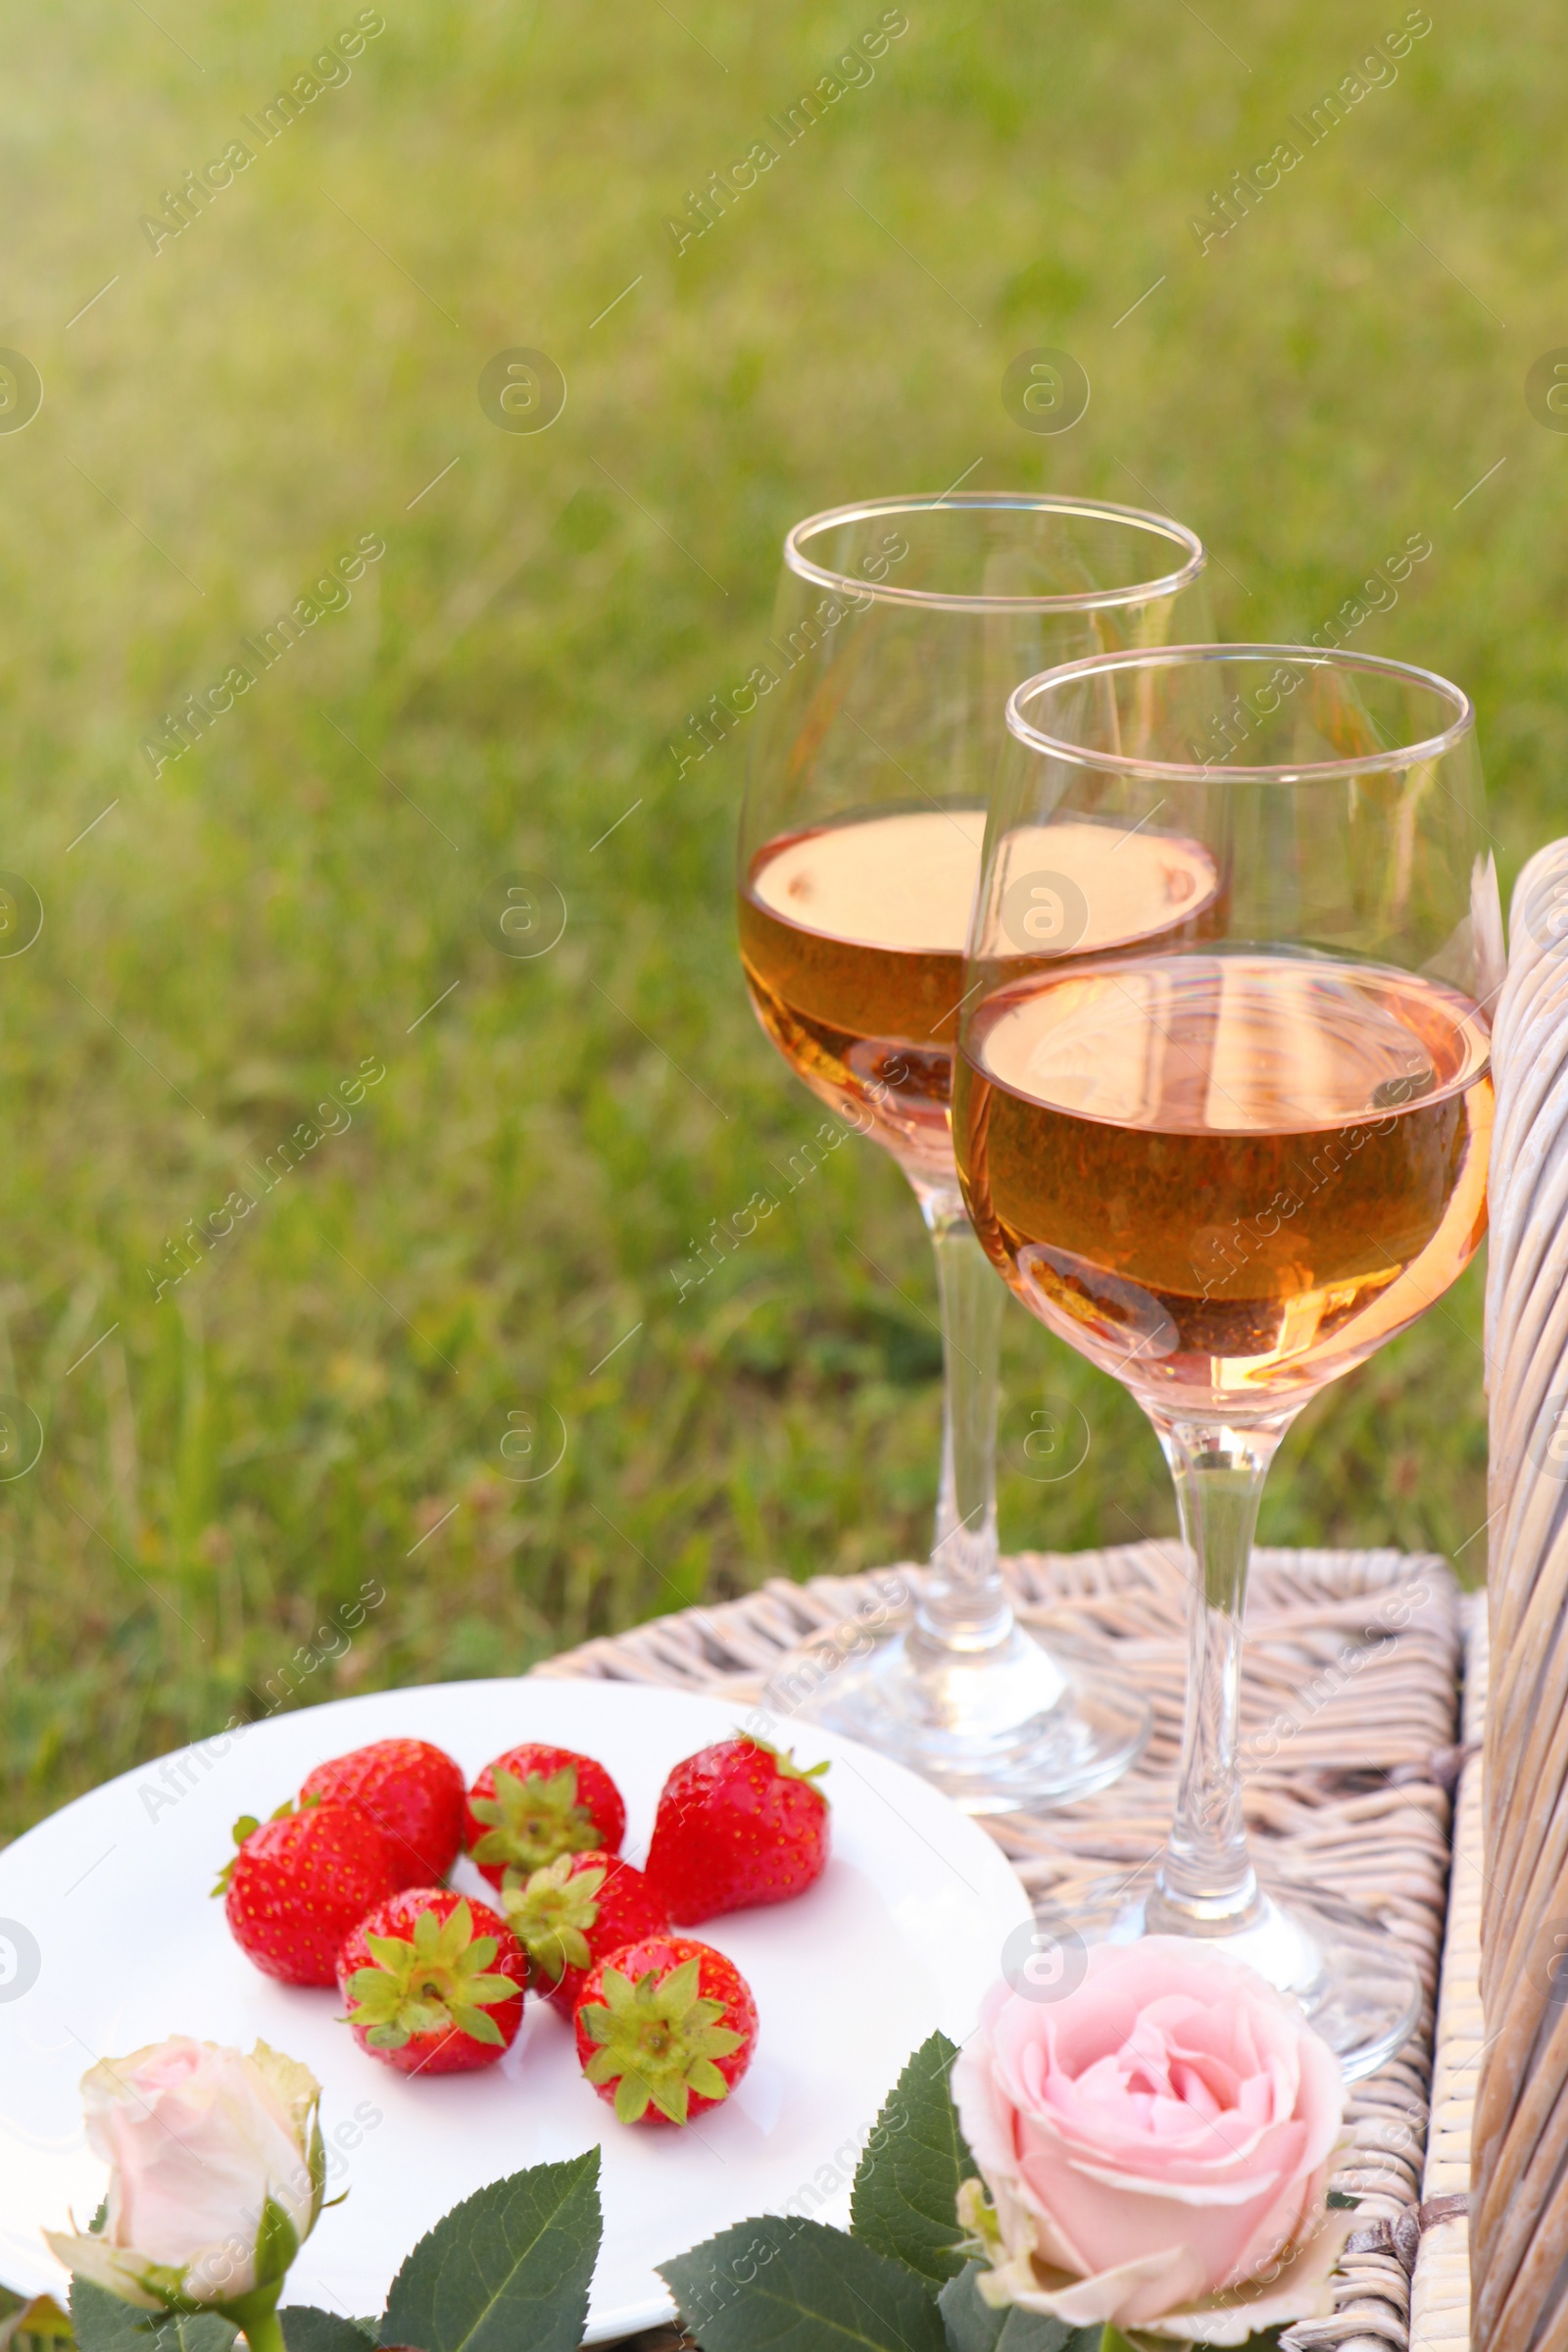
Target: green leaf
[
  {"x": 487, "y": 1993},
  {"x": 315, "y": 2159},
  {"x": 31, "y": 2322},
  {"x": 906, "y": 2187},
  {"x": 104, "y": 2323},
  {"x": 1339, "y": 2202},
  {"x": 308, "y": 2329},
  {"x": 508, "y": 2268},
  {"x": 277, "y": 2241},
  {"x": 973, "y": 2326},
  {"x": 475, "y": 2024},
  {"x": 631, "y": 2100},
  {"x": 779, "y": 2285},
  {"x": 391, "y": 1951}
]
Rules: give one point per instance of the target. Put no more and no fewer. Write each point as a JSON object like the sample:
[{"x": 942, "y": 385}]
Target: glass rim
[
  {"x": 1088, "y": 600},
  {"x": 1223, "y": 771}
]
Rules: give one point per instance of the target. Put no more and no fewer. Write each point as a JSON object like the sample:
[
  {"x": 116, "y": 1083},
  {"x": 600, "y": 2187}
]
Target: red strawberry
[
  {"x": 534, "y": 1803},
  {"x": 413, "y": 1791},
  {"x": 299, "y": 1882},
  {"x": 665, "y": 2024},
  {"x": 434, "y": 1983},
  {"x": 737, "y": 1823},
  {"x": 577, "y": 1910}
]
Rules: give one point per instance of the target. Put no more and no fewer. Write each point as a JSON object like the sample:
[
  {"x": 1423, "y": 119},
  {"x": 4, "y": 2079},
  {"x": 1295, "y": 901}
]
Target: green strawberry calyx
[
  {"x": 657, "y": 2042},
  {"x": 246, "y": 1826},
  {"x": 530, "y": 1821},
  {"x": 550, "y": 1915},
  {"x": 784, "y": 1763},
  {"x": 424, "y": 1987}
]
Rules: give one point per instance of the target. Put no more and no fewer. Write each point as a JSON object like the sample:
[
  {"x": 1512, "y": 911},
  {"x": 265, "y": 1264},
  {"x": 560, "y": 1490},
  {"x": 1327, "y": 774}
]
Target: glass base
[
  {"x": 1005, "y": 1728},
  {"x": 1357, "y": 1986}
]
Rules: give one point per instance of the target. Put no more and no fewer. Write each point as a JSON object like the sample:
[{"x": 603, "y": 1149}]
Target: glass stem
[
  {"x": 1206, "y": 1883},
  {"x": 964, "y": 1606}
]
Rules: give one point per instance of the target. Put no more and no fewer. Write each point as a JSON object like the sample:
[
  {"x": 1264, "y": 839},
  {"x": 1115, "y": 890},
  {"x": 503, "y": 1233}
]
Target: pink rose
[
  {"x": 215, "y": 2173},
  {"x": 1156, "y": 2144}
]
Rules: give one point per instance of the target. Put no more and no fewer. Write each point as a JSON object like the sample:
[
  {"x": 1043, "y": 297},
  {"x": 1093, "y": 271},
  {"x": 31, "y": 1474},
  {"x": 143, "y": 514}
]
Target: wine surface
[
  {"x": 1226, "y": 1178},
  {"x": 853, "y": 938}
]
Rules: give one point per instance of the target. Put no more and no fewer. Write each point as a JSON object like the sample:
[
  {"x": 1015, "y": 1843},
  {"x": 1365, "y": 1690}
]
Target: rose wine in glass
[
  {"x": 1229, "y": 1166},
  {"x": 1335, "y": 1114},
  {"x": 900, "y": 627},
  {"x": 852, "y": 939}
]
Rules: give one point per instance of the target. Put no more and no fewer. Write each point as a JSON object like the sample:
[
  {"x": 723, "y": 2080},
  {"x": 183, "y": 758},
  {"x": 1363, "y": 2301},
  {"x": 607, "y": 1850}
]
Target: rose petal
[
  {"x": 1301, "y": 2291},
  {"x": 1117, "y": 2295},
  {"x": 87, "y": 2257}
]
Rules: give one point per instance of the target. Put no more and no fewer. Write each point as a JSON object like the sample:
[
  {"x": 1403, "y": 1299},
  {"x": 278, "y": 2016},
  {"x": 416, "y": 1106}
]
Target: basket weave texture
[
  {"x": 1349, "y": 1723},
  {"x": 1519, "y": 2238}
]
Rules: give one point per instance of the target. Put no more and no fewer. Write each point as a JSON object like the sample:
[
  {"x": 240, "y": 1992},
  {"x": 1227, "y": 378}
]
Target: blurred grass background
[{"x": 322, "y": 1399}]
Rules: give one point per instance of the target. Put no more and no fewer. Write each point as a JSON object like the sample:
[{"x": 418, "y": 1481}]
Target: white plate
[{"x": 902, "y": 1935}]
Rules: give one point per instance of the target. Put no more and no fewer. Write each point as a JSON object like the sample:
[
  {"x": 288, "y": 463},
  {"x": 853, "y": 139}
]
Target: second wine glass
[
  {"x": 1227, "y": 1167},
  {"x": 902, "y": 625}
]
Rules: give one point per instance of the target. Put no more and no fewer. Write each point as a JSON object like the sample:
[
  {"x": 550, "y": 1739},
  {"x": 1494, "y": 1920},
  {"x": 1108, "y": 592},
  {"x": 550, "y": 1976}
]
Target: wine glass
[
  {"x": 901, "y": 625},
  {"x": 1227, "y": 1166}
]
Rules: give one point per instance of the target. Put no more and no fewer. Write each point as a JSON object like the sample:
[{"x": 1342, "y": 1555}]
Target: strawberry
[
  {"x": 737, "y": 1823},
  {"x": 413, "y": 1791},
  {"x": 299, "y": 1882},
  {"x": 665, "y": 2024},
  {"x": 575, "y": 1911},
  {"x": 534, "y": 1803},
  {"x": 434, "y": 1983}
]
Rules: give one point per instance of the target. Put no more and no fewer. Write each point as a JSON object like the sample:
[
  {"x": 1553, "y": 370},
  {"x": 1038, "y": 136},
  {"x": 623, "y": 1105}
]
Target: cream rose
[
  {"x": 209, "y": 2153},
  {"x": 1157, "y": 2145}
]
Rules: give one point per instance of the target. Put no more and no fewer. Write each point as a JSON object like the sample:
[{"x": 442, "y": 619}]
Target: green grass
[{"x": 229, "y": 1466}]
